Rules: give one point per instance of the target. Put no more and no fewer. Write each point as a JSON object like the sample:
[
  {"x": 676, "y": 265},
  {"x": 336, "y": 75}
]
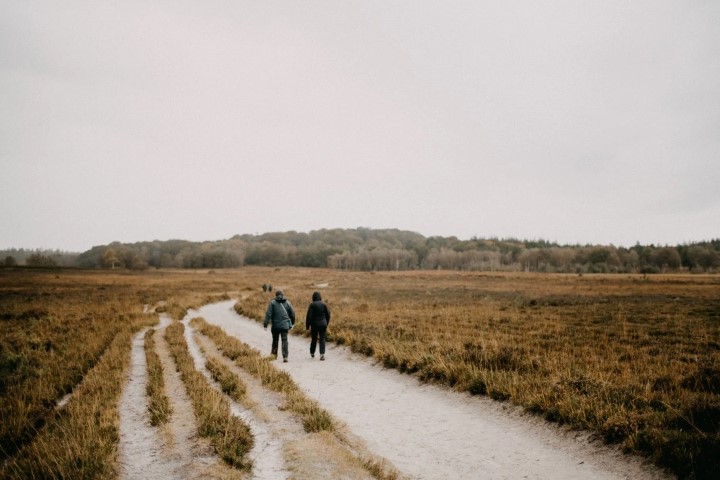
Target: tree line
[{"x": 365, "y": 249}]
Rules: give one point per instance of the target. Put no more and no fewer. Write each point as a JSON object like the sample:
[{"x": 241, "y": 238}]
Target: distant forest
[{"x": 365, "y": 249}]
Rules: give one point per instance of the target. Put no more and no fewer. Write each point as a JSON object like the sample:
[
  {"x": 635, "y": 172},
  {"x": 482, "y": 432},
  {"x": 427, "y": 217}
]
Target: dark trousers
[
  {"x": 283, "y": 334},
  {"x": 316, "y": 332}
]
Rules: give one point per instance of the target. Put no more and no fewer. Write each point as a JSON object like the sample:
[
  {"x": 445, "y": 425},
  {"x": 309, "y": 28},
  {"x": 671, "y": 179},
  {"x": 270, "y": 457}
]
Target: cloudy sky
[{"x": 571, "y": 121}]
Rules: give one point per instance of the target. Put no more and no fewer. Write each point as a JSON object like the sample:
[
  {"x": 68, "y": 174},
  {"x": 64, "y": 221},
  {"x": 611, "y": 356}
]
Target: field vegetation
[
  {"x": 158, "y": 403},
  {"x": 52, "y": 338},
  {"x": 230, "y": 436},
  {"x": 314, "y": 418},
  {"x": 69, "y": 332},
  {"x": 229, "y": 383},
  {"x": 634, "y": 359}
]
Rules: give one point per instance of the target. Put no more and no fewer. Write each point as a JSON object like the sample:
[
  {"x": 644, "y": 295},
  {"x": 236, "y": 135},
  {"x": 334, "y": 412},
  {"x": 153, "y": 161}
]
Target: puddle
[
  {"x": 267, "y": 454},
  {"x": 428, "y": 432}
]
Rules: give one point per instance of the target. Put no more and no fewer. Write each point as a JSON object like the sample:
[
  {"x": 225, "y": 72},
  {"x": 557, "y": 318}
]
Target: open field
[
  {"x": 634, "y": 359},
  {"x": 57, "y": 327}
]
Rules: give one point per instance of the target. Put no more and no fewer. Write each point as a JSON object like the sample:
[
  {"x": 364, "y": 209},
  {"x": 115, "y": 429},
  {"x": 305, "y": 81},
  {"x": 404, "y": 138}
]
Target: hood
[
  {"x": 316, "y": 296},
  {"x": 279, "y": 296}
]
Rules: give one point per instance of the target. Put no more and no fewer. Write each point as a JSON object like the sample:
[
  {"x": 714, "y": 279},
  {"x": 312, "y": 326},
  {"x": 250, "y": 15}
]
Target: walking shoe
[
  {"x": 285, "y": 360},
  {"x": 312, "y": 355},
  {"x": 322, "y": 357}
]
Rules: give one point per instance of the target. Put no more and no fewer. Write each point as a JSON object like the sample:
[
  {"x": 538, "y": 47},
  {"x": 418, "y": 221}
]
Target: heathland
[{"x": 634, "y": 359}]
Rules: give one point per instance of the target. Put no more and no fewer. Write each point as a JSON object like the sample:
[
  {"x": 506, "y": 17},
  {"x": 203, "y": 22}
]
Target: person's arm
[
  {"x": 308, "y": 317},
  {"x": 291, "y": 313},
  {"x": 327, "y": 314},
  {"x": 268, "y": 314}
]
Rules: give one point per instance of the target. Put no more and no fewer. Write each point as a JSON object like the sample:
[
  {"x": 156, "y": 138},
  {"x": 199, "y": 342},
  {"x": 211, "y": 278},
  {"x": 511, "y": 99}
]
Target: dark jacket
[
  {"x": 318, "y": 314},
  {"x": 280, "y": 312}
]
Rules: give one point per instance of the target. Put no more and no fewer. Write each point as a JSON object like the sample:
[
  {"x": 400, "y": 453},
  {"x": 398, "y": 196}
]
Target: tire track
[
  {"x": 173, "y": 450},
  {"x": 141, "y": 450},
  {"x": 267, "y": 457}
]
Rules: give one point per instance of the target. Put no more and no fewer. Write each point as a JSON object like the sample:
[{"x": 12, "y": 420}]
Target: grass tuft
[
  {"x": 314, "y": 418},
  {"x": 159, "y": 404},
  {"x": 229, "y": 382},
  {"x": 230, "y": 437}
]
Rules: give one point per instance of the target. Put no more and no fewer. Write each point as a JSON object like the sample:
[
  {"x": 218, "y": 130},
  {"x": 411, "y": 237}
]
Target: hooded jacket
[
  {"x": 318, "y": 314},
  {"x": 280, "y": 312}
]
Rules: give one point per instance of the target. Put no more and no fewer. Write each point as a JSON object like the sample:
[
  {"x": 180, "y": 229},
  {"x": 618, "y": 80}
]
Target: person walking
[
  {"x": 282, "y": 315},
  {"x": 317, "y": 321}
]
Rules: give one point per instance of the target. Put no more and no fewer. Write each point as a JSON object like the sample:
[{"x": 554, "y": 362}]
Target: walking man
[{"x": 280, "y": 312}]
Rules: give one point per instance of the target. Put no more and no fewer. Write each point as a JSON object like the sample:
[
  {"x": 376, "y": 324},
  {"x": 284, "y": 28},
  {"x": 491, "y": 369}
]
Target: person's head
[
  {"x": 279, "y": 294},
  {"x": 316, "y": 296}
]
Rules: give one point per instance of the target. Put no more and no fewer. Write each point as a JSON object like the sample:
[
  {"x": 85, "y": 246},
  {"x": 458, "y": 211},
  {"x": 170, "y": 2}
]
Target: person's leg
[
  {"x": 275, "y": 336},
  {"x": 284, "y": 334},
  {"x": 322, "y": 331},
  {"x": 313, "y": 340}
]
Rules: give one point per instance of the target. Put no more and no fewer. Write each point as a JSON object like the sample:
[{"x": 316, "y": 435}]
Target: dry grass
[
  {"x": 229, "y": 382},
  {"x": 53, "y": 341},
  {"x": 635, "y": 359},
  {"x": 315, "y": 419},
  {"x": 81, "y": 442},
  {"x": 57, "y": 330},
  {"x": 230, "y": 436},
  {"x": 158, "y": 404},
  {"x": 308, "y": 455}
]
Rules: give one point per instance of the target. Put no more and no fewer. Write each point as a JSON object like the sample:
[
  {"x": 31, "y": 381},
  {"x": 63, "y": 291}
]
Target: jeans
[
  {"x": 316, "y": 332},
  {"x": 283, "y": 334}
]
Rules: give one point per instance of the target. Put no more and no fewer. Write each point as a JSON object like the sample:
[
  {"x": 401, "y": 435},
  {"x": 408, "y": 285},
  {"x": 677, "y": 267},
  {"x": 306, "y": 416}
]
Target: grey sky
[{"x": 572, "y": 121}]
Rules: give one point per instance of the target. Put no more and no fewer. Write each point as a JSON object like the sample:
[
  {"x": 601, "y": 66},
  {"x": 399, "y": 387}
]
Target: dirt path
[
  {"x": 170, "y": 451},
  {"x": 283, "y": 450},
  {"x": 433, "y": 433},
  {"x": 267, "y": 456},
  {"x": 140, "y": 453}
]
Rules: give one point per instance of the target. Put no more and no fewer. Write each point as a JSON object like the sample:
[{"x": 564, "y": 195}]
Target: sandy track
[
  {"x": 267, "y": 456},
  {"x": 170, "y": 451},
  {"x": 283, "y": 450},
  {"x": 430, "y": 432},
  {"x": 137, "y": 441}
]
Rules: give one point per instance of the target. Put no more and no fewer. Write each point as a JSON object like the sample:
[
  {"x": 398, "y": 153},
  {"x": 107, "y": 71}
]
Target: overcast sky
[{"x": 571, "y": 121}]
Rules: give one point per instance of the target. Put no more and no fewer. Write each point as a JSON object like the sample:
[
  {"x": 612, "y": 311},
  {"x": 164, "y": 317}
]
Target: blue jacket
[{"x": 281, "y": 313}]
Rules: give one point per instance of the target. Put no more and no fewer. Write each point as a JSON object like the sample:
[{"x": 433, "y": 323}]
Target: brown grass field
[{"x": 634, "y": 359}]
